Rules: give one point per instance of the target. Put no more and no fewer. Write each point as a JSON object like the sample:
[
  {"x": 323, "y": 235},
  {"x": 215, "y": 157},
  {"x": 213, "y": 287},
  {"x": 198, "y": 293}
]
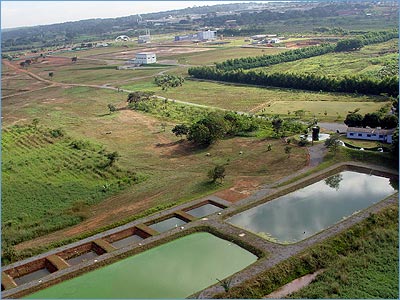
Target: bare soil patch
[{"x": 242, "y": 188}]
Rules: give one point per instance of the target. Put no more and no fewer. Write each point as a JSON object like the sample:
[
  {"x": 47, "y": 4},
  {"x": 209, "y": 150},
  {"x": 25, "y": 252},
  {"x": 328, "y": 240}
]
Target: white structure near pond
[
  {"x": 144, "y": 58},
  {"x": 371, "y": 134}
]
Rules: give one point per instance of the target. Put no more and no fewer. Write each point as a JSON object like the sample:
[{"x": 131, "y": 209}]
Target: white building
[
  {"x": 206, "y": 35},
  {"x": 274, "y": 41},
  {"x": 143, "y": 39},
  {"x": 372, "y": 134},
  {"x": 144, "y": 58}
]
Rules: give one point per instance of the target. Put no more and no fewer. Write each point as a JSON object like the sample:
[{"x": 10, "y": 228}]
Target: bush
[
  {"x": 55, "y": 133},
  {"x": 218, "y": 172}
]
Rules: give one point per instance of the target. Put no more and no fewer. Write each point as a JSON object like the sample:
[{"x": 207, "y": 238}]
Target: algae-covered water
[
  {"x": 309, "y": 210},
  {"x": 174, "y": 270}
]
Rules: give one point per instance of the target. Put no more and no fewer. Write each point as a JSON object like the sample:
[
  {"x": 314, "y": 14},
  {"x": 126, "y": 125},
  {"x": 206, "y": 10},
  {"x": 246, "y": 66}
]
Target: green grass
[
  {"x": 90, "y": 72},
  {"x": 374, "y": 61},
  {"x": 361, "y": 262},
  {"x": 266, "y": 100},
  {"x": 222, "y": 54},
  {"x": 372, "y": 271},
  {"x": 55, "y": 181},
  {"x": 144, "y": 147}
]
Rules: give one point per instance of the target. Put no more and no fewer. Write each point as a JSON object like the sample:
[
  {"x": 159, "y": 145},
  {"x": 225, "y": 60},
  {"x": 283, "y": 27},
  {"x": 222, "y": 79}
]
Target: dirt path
[
  {"x": 27, "y": 92},
  {"x": 293, "y": 286},
  {"x": 260, "y": 107}
]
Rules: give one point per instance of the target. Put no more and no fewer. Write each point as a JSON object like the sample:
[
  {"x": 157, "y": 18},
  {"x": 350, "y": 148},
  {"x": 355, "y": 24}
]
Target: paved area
[{"x": 333, "y": 126}]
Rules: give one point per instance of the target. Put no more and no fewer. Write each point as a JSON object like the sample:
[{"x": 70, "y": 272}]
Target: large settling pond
[
  {"x": 303, "y": 213},
  {"x": 174, "y": 270}
]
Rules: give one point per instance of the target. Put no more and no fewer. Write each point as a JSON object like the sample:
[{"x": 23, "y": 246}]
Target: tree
[
  {"x": 277, "y": 124},
  {"x": 394, "y": 148},
  {"x": 180, "y": 129},
  {"x": 389, "y": 121},
  {"x": 74, "y": 59},
  {"x": 372, "y": 120},
  {"x": 138, "y": 96},
  {"x": 111, "y": 107},
  {"x": 35, "y": 122},
  {"x": 200, "y": 134},
  {"x": 112, "y": 158},
  {"x": 208, "y": 130},
  {"x": 349, "y": 45},
  {"x": 300, "y": 113},
  {"x": 218, "y": 172},
  {"x": 333, "y": 143},
  {"x": 167, "y": 80},
  {"x": 51, "y": 74},
  {"x": 354, "y": 120}
]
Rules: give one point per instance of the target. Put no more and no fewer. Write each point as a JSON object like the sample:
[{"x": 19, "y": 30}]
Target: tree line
[
  {"x": 372, "y": 120},
  {"x": 292, "y": 55},
  {"x": 313, "y": 82}
]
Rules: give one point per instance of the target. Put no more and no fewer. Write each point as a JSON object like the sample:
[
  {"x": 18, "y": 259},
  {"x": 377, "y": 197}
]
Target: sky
[{"x": 31, "y": 13}]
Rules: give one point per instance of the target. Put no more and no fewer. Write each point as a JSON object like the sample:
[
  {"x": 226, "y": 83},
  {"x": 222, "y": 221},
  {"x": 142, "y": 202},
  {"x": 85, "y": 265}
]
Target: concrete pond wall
[{"x": 111, "y": 246}]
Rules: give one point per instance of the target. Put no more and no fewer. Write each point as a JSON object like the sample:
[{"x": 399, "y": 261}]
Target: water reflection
[
  {"x": 167, "y": 224},
  {"x": 307, "y": 211},
  {"x": 334, "y": 181},
  {"x": 204, "y": 210}
]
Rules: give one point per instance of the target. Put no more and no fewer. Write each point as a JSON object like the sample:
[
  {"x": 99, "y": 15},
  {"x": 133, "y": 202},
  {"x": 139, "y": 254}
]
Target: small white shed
[{"x": 145, "y": 58}]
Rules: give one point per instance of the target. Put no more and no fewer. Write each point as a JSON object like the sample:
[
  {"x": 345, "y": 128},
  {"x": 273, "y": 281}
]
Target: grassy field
[
  {"x": 370, "y": 271},
  {"x": 116, "y": 47},
  {"x": 56, "y": 177},
  {"x": 360, "y": 143},
  {"x": 266, "y": 100},
  {"x": 146, "y": 148},
  {"x": 19, "y": 83},
  {"x": 88, "y": 71},
  {"x": 219, "y": 55},
  {"x": 372, "y": 60}
]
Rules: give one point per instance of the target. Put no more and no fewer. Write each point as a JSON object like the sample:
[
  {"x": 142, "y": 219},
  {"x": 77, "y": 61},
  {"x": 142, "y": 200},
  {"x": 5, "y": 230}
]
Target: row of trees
[
  {"x": 292, "y": 55},
  {"x": 347, "y": 84},
  {"x": 373, "y": 120},
  {"x": 366, "y": 39},
  {"x": 268, "y": 60}
]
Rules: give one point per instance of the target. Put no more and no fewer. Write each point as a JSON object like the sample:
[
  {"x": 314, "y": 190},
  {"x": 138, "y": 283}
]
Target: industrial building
[
  {"x": 144, "y": 58},
  {"x": 143, "y": 39},
  {"x": 199, "y": 36}
]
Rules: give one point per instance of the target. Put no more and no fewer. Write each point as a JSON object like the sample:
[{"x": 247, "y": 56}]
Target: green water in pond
[
  {"x": 303, "y": 213},
  {"x": 173, "y": 270}
]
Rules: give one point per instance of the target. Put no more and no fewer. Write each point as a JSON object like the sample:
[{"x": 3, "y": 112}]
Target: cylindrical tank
[{"x": 315, "y": 133}]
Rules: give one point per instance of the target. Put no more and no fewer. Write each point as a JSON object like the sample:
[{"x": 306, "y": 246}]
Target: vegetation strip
[
  {"x": 292, "y": 55},
  {"x": 347, "y": 84}
]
